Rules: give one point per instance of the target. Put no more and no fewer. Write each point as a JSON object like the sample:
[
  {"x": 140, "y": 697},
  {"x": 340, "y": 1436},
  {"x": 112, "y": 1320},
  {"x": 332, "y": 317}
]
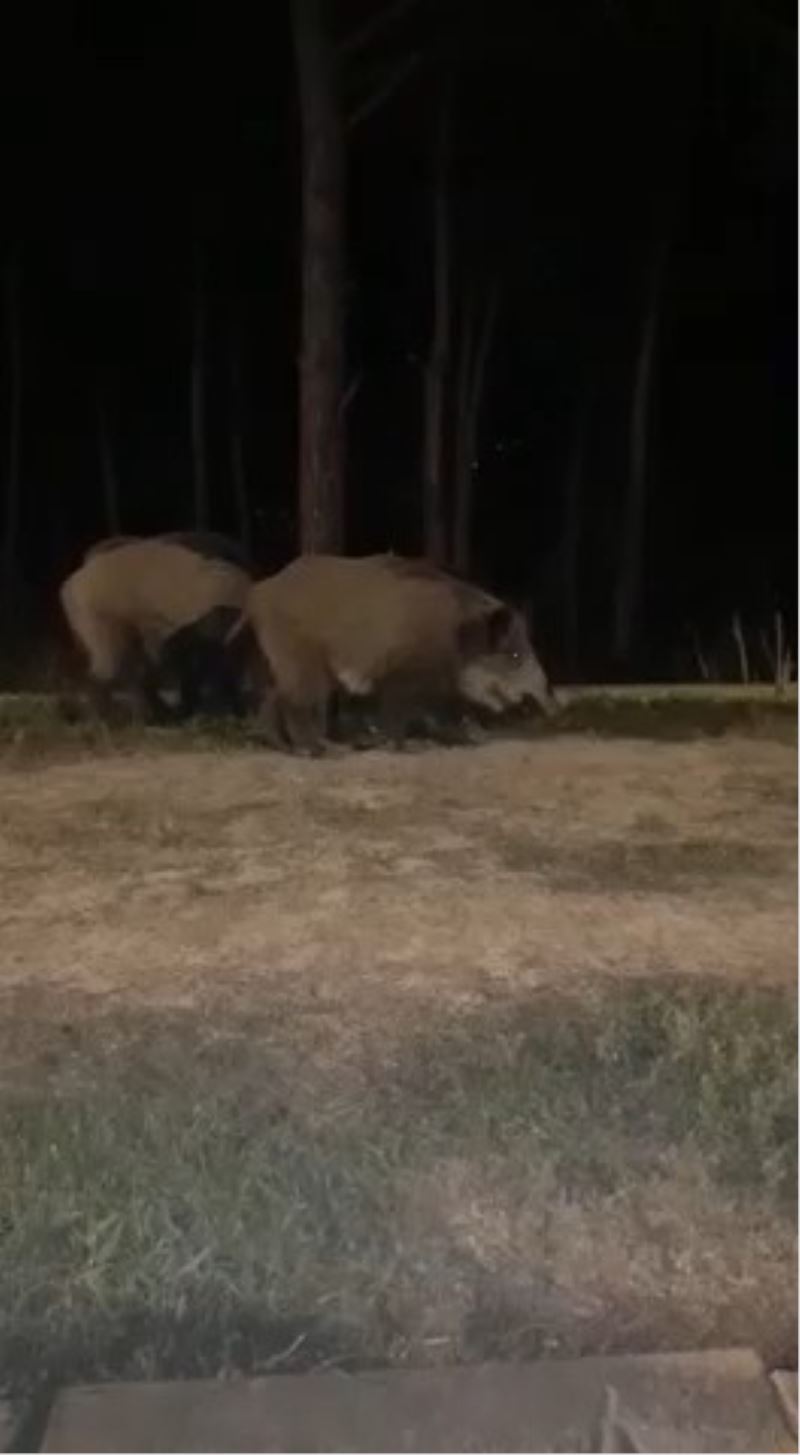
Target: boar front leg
[{"x": 305, "y": 726}]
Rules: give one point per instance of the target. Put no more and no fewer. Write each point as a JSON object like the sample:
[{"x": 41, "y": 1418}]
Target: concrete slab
[
  {"x": 785, "y": 1385},
  {"x": 713, "y": 1401}
]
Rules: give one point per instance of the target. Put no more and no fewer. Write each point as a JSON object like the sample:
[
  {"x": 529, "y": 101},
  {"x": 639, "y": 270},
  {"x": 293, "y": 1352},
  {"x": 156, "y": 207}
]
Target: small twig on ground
[
  {"x": 284, "y": 1354},
  {"x": 741, "y": 645},
  {"x": 616, "y": 1433}
]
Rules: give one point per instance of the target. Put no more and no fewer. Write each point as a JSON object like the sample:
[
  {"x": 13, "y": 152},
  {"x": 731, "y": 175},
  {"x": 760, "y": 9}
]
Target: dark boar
[
  {"x": 211, "y": 545},
  {"x": 373, "y": 626},
  {"x": 147, "y": 607}
]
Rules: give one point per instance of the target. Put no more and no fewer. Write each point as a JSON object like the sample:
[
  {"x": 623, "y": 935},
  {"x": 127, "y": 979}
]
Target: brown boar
[
  {"x": 206, "y": 543},
  {"x": 143, "y": 607},
  {"x": 374, "y": 625}
]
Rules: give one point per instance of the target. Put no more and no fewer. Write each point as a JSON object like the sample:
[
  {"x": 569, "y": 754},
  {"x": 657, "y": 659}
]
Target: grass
[
  {"x": 661, "y": 866},
  {"x": 323, "y": 1156},
  {"x": 177, "y": 1196},
  {"x": 679, "y": 717},
  {"x": 34, "y": 725}
]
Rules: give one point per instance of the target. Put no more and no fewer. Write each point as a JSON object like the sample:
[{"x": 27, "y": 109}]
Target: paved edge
[
  {"x": 784, "y": 1382},
  {"x": 709, "y": 1400}
]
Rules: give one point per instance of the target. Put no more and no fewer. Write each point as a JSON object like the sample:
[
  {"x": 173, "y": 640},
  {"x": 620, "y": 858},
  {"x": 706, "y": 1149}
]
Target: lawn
[{"x": 396, "y": 1058}]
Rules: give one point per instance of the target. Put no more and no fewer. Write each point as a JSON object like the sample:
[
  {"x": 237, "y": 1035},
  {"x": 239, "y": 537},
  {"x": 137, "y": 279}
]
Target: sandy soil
[{"x": 387, "y": 881}]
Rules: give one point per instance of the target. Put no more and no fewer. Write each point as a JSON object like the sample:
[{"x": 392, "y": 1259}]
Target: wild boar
[
  {"x": 205, "y": 543},
  {"x": 375, "y": 626},
  {"x": 145, "y": 607}
]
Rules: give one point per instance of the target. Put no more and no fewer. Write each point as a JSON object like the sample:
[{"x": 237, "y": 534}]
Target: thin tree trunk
[
  {"x": 434, "y": 517},
  {"x": 462, "y": 453},
  {"x": 629, "y": 578},
  {"x": 571, "y": 537},
  {"x": 322, "y": 352},
  {"x": 238, "y": 473},
  {"x": 199, "y": 461},
  {"x": 471, "y": 377},
  {"x": 13, "y": 480},
  {"x": 108, "y": 472}
]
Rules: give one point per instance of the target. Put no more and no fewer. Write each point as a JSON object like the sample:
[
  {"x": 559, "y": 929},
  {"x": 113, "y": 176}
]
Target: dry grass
[
  {"x": 408, "y": 1057},
  {"x": 380, "y": 880}
]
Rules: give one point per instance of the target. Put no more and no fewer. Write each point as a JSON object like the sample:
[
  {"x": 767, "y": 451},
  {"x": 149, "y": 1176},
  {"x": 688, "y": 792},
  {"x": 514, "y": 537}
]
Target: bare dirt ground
[
  {"x": 365, "y": 1126},
  {"x": 384, "y": 882}
]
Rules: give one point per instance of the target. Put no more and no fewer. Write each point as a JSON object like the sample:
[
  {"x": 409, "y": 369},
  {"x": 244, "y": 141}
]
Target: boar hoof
[{"x": 308, "y": 750}]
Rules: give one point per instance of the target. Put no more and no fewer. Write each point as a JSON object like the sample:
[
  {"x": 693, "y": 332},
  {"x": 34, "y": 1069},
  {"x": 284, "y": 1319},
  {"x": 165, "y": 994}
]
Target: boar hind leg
[
  {"x": 101, "y": 699},
  {"x": 269, "y": 720},
  {"x": 107, "y": 648}
]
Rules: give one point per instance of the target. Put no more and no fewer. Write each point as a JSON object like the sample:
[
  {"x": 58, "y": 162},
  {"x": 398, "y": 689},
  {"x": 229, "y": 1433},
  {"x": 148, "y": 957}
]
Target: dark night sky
[{"x": 586, "y": 130}]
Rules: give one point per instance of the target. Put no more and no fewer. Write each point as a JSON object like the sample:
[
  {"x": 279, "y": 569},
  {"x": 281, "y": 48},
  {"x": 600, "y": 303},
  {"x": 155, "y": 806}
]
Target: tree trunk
[
  {"x": 571, "y": 539},
  {"x": 321, "y": 417},
  {"x": 464, "y": 446},
  {"x": 199, "y": 461},
  {"x": 434, "y": 512},
  {"x": 629, "y": 578},
  {"x": 108, "y": 472},
  {"x": 13, "y": 481},
  {"x": 471, "y": 376},
  {"x": 238, "y": 473}
]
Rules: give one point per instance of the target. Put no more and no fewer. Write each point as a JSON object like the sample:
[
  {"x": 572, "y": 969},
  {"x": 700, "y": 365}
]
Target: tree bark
[
  {"x": 322, "y": 351},
  {"x": 434, "y": 510},
  {"x": 199, "y": 461},
  {"x": 108, "y": 472},
  {"x": 13, "y": 479},
  {"x": 238, "y": 473},
  {"x": 463, "y": 451},
  {"x": 571, "y": 538},
  {"x": 469, "y": 391},
  {"x": 629, "y": 577}
]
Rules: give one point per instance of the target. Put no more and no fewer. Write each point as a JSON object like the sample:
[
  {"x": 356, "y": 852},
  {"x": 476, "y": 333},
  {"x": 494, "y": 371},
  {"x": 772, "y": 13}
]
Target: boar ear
[{"x": 500, "y": 626}]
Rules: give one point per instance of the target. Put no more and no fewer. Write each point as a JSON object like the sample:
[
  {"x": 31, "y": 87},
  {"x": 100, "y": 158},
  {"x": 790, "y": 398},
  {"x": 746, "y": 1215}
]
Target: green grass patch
[
  {"x": 677, "y": 718},
  {"x": 642, "y": 1071},
  {"x": 35, "y": 726},
  {"x": 181, "y": 1195}
]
